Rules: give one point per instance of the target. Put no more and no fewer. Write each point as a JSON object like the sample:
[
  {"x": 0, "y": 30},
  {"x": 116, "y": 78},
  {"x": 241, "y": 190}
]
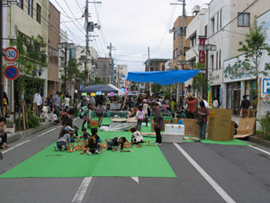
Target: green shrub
[
  {"x": 33, "y": 121},
  {"x": 263, "y": 125}
]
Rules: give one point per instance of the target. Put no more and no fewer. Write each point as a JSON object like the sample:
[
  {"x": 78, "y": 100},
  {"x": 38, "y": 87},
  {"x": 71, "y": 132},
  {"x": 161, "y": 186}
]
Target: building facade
[
  {"x": 104, "y": 69},
  {"x": 223, "y": 24},
  {"x": 121, "y": 71}
]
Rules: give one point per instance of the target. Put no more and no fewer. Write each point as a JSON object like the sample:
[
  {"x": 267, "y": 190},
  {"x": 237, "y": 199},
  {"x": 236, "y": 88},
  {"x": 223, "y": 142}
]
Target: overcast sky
[{"x": 130, "y": 25}]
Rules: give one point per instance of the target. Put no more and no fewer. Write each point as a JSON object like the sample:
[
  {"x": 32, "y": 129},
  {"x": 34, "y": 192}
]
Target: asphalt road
[{"x": 205, "y": 173}]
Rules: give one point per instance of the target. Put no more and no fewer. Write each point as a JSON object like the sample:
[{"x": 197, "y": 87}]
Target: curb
[
  {"x": 16, "y": 136},
  {"x": 259, "y": 141}
]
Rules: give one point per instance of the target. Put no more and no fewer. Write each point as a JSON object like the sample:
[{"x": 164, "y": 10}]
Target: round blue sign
[{"x": 11, "y": 72}]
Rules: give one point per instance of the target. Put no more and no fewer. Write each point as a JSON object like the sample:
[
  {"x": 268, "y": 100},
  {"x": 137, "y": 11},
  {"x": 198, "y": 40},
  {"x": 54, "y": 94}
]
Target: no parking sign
[{"x": 11, "y": 72}]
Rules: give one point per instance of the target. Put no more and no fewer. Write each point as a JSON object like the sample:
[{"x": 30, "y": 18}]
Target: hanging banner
[
  {"x": 202, "y": 53},
  {"x": 210, "y": 98}
]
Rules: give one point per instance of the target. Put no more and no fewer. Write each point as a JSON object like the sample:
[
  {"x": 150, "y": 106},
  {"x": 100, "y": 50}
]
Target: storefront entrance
[{"x": 236, "y": 102}]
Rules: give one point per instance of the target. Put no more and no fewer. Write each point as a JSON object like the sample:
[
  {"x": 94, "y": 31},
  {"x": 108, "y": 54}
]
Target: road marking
[
  {"x": 260, "y": 149},
  {"x": 136, "y": 179},
  {"x": 82, "y": 189},
  {"x": 210, "y": 180},
  {"x": 17, "y": 145}
]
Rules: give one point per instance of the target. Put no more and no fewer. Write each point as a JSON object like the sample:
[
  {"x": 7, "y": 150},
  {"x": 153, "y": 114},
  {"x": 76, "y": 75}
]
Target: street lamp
[{"x": 66, "y": 46}]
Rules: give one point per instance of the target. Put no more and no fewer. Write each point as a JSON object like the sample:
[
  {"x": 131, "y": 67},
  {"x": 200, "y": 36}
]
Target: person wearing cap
[
  {"x": 64, "y": 140},
  {"x": 57, "y": 102}
]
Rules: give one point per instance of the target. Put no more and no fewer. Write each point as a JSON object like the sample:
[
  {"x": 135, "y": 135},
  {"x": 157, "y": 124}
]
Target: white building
[
  {"x": 224, "y": 24},
  {"x": 121, "y": 71}
]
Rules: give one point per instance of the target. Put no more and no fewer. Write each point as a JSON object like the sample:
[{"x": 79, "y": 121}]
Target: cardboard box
[
  {"x": 191, "y": 127},
  {"x": 219, "y": 127},
  {"x": 174, "y": 121},
  {"x": 245, "y": 128},
  {"x": 232, "y": 130}
]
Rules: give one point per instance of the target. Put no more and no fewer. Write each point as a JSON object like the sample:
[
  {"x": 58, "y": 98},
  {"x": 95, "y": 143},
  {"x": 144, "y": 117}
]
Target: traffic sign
[
  {"x": 11, "y": 72},
  {"x": 11, "y": 54}
]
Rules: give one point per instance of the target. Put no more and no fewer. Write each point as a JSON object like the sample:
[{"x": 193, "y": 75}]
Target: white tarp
[{"x": 120, "y": 92}]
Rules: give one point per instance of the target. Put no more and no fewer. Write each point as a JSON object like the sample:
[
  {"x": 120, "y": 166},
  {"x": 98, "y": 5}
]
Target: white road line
[
  {"x": 260, "y": 149},
  {"x": 82, "y": 189},
  {"x": 210, "y": 180},
  {"x": 15, "y": 146},
  {"x": 136, "y": 179}
]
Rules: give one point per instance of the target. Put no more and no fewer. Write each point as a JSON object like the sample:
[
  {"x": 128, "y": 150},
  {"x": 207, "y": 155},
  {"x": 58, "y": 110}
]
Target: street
[{"x": 205, "y": 173}]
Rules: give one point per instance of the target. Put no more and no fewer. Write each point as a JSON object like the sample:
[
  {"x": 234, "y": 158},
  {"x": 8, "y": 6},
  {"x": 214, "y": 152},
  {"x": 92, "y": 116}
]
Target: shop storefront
[{"x": 233, "y": 97}]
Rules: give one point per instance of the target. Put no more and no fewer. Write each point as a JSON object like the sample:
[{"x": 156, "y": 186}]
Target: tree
[
  {"x": 254, "y": 49},
  {"x": 199, "y": 80},
  {"x": 156, "y": 88},
  {"x": 98, "y": 80},
  {"x": 32, "y": 58}
]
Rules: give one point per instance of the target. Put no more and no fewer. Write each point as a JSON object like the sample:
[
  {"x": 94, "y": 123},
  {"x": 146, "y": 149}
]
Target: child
[
  {"x": 145, "y": 110},
  {"x": 87, "y": 114},
  {"x": 55, "y": 118},
  {"x": 136, "y": 136},
  {"x": 130, "y": 114},
  {"x": 100, "y": 109},
  {"x": 86, "y": 135},
  {"x": 93, "y": 142},
  {"x": 139, "y": 116},
  {"x": 179, "y": 120},
  {"x": 115, "y": 142},
  {"x": 65, "y": 115},
  {"x": 64, "y": 140},
  {"x": 3, "y": 134}
]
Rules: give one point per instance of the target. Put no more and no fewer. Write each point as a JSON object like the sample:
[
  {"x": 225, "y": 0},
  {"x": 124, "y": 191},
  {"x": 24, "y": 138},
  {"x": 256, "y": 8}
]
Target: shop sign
[
  {"x": 202, "y": 53},
  {"x": 266, "y": 89}
]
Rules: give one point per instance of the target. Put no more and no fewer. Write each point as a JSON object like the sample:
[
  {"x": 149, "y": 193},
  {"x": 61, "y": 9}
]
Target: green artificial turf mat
[{"x": 148, "y": 161}]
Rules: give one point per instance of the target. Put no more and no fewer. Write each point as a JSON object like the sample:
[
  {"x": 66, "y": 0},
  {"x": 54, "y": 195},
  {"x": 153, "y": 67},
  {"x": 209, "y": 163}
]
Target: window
[
  {"x": 220, "y": 18},
  {"x": 219, "y": 59},
  {"x": 193, "y": 41},
  {"x": 217, "y": 20},
  {"x": 20, "y": 3},
  {"x": 243, "y": 19},
  {"x": 53, "y": 56},
  {"x": 174, "y": 35},
  {"x": 192, "y": 63},
  {"x": 205, "y": 32},
  {"x": 213, "y": 25},
  {"x": 151, "y": 69},
  {"x": 30, "y": 8},
  {"x": 212, "y": 62},
  {"x": 163, "y": 67},
  {"x": 156, "y": 69},
  {"x": 38, "y": 13},
  {"x": 175, "y": 53}
]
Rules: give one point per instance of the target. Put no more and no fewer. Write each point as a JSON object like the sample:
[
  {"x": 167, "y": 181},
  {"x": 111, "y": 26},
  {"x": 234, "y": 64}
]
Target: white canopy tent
[{"x": 120, "y": 92}]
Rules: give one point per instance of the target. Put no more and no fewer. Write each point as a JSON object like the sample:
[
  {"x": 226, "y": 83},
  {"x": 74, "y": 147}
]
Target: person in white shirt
[
  {"x": 215, "y": 103},
  {"x": 38, "y": 100},
  {"x": 205, "y": 102}
]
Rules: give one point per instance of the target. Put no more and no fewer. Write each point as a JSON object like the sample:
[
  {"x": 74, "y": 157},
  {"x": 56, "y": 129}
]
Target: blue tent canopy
[{"x": 162, "y": 77}]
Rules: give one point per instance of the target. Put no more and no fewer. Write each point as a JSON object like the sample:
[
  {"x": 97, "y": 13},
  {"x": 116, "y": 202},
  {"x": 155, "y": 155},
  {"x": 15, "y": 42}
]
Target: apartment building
[
  {"x": 31, "y": 19},
  {"x": 53, "y": 53},
  {"x": 104, "y": 69},
  {"x": 224, "y": 24},
  {"x": 121, "y": 71}
]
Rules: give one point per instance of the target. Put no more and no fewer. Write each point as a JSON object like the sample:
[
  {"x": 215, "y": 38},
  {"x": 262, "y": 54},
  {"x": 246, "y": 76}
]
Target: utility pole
[
  {"x": 89, "y": 28},
  {"x": 110, "y": 55},
  {"x": 181, "y": 42},
  {"x": 149, "y": 84},
  {"x": 86, "y": 14}
]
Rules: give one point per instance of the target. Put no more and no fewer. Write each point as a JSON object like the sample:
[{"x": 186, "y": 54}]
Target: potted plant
[{"x": 10, "y": 124}]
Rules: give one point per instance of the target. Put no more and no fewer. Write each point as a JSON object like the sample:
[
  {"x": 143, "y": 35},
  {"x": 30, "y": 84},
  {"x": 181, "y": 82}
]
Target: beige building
[
  {"x": 31, "y": 19},
  {"x": 53, "y": 53}
]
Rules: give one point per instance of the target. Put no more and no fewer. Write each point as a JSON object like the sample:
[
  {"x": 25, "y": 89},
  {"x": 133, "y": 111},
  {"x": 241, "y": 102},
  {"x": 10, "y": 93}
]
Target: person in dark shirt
[
  {"x": 244, "y": 106},
  {"x": 93, "y": 142},
  {"x": 86, "y": 135},
  {"x": 113, "y": 144}
]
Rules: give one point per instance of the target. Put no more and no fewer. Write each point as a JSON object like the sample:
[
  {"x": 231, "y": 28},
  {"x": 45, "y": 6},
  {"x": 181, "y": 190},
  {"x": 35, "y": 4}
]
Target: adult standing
[
  {"x": 245, "y": 103},
  {"x": 191, "y": 105},
  {"x": 215, "y": 103},
  {"x": 173, "y": 107},
  {"x": 145, "y": 110},
  {"x": 159, "y": 123},
  {"x": 57, "y": 102},
  {"x": 205, "y": 102},
  {"x": 203, "y": 112},
  {"x": 38, "y": 101},
  {"x": 66, "y": 100}
]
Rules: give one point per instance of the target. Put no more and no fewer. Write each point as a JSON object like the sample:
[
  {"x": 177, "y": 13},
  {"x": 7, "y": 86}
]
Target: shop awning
[{"x": 162, "y": 77}]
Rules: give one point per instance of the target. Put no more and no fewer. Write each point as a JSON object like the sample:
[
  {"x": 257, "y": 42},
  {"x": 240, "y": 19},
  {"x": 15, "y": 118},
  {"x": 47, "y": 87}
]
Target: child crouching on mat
[
  {"x": 86, "y": 135},
  {"x": 64, "y": 140},
  {"x": 136, "y": 136},
  {"x": 93, "y": 143},
  {"x": 113, "y": 144}
]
